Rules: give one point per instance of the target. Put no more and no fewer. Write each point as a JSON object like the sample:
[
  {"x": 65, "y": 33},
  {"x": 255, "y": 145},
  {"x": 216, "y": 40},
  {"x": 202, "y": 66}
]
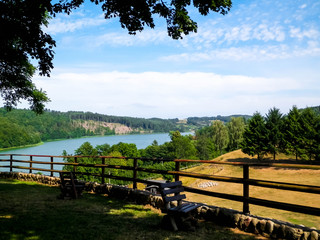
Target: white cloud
[
  {"x": 297, "y": 32},
  {"x": 124, "y": 39},
  {"x": 303, "y": 6},
  {"x": 169, "y": 94},
  {"x": 68, "y": 24},
  {"x": 254, "y": 53}
]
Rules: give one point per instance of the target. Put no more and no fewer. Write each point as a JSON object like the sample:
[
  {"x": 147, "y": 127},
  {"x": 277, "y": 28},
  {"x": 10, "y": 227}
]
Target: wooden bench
[
  {"x": 71, "y": 188},
  {"x": 178, "y": 212}
]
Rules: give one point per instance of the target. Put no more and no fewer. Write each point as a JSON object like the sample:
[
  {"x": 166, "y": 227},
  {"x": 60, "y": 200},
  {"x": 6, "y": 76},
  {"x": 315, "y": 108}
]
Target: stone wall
[{"x": 226, "y": 217}]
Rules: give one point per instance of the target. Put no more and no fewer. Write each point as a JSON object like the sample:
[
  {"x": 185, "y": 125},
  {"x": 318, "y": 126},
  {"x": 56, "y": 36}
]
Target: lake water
[{"x": 56, "y": 148}]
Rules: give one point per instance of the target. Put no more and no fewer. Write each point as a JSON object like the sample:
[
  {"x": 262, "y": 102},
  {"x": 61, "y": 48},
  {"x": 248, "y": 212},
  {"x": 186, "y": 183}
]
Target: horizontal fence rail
[{"x": 245, "y": 181}]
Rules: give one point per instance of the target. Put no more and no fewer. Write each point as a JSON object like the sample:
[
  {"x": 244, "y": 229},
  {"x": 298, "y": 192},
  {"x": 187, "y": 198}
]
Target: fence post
[
  {"x": 103, "y": 169},
  {"x": 11, "y": 158},
  {"x": 177, "y": 169},
  {"x": 51, "y": 159},
  {"x": 30, "y": 170},
  {"x": 246, "y": 189},
  {"x": 135, "y": 166}
]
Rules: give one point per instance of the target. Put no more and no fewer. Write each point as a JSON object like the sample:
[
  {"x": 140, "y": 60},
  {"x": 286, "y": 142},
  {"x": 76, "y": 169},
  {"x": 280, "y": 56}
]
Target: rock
[
  {"x": 269, "y": 227},
  {"x": 281, "y": 233},
  {"x": 293, "y": 233},
  {"x": 314, "y": 235},
  {"x": 261, "y": 226},
  {"x": 305, "y": 236},
  {"x": 235, "y": 220},
  {"x": 253, "y": 226},
  {"x": 225, "y": 217}
]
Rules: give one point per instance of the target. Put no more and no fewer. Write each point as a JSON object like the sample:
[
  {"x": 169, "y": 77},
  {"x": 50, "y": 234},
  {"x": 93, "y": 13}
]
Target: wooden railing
[{"x": 245, "y": 180}]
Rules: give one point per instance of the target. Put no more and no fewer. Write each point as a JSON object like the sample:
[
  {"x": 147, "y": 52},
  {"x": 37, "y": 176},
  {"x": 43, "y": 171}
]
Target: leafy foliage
[{"x": 22, "y": 38}]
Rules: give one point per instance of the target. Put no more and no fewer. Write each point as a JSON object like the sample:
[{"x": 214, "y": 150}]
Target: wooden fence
[{"x": 245, "y": 181}]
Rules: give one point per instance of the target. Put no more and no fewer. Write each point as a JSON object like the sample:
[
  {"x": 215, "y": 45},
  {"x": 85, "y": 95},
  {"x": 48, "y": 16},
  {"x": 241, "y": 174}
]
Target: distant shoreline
[
  {"x": 21, "y": 147},
  {"x": 63, "y": 139}
]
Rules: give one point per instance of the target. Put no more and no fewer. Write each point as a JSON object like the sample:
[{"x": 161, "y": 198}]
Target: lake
[
  {"x": 56, "y": 148},
  {"x": 70, "y": 145}
]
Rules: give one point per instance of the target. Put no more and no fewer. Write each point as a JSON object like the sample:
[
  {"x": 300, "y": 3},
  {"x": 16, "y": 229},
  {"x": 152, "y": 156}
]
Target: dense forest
[
  {"x": 296, "y": 133},
  {"x": 205, "y": 121},
  {"x": 23, "y": 127}
]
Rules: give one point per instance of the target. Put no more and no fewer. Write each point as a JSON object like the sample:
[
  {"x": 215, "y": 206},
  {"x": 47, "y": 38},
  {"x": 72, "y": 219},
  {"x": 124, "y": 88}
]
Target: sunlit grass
[{"x": 302, "y": 176}]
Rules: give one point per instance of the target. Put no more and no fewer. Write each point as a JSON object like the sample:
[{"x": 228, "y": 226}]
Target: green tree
[
  {"x": 181, "y": 146},
  {"x": 126, "y": 149},
  {"x": 236, "y": 128},
  {"x": 90, "y": 153},
  {"x": 254, "y": 137},
  {"x": 205, "y": 147},
  {"x": 220, "y": 135},
  {"x": 309, "y": 143},
  {"x": 292, "y": 131},
  {"x": 274, "y": 134},
  {"x": 22, "y": 37}
]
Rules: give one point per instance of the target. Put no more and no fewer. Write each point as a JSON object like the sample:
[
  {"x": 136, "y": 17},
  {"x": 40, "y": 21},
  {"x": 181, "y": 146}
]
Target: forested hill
[
  {"x": 23, "y": 127},
  {"x": 205, "y": 121},
  {"x": 152, "y": 124}
]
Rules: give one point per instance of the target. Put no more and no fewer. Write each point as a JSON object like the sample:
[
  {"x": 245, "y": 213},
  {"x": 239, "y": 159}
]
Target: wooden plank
[
  {"x": 170, "y": 184},
  {"x": 172, "y": 190},
  {"x": 186, "y": 207},
  {"x": 174, "y": 198}
]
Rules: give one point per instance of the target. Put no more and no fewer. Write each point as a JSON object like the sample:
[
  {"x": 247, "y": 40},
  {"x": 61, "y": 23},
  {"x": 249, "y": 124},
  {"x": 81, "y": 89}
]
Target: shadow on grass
[{"x": 30, "y": 211}]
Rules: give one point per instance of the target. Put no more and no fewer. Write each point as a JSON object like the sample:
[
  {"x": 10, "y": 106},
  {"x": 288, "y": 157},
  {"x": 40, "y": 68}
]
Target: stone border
[{"x": 226, "y": 217}]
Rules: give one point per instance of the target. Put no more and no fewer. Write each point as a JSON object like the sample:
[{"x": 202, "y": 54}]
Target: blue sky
[{"x": 262, "y": 54}]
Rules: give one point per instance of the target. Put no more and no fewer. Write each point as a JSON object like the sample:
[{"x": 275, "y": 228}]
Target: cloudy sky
[{"x": 262, "y": 54}]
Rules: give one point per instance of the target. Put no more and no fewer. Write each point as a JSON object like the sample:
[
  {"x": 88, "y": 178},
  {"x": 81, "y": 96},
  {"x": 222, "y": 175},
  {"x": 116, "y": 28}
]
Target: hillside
[
  {"x": 302, "y": 176},
  {"x": 23, "y": 127}
]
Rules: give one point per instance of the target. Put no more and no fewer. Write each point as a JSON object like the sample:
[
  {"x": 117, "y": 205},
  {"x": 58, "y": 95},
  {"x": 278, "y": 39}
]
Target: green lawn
[{"x": 32, "y": 211}]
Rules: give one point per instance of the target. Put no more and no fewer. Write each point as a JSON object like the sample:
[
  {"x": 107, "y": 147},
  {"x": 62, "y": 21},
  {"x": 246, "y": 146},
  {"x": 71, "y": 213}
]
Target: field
[
  {"x": 308, "y": 177},
  {"x": 32, "y": 211}
]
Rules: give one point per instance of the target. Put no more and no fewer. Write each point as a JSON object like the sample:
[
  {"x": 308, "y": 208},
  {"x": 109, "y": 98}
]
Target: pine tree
[
  {"x": 292, "y": 131},
  {"x": 254, "y": 137},
  {"x": 309, "y": 144},
  {"x": 274, "y": 135}
]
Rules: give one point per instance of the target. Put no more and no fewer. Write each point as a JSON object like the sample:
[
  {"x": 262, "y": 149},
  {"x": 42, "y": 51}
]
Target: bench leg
[{"x": 173, "y": 223}]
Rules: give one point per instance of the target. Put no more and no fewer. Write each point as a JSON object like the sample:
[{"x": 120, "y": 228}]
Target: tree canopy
[{"x": 23, "y": 42}]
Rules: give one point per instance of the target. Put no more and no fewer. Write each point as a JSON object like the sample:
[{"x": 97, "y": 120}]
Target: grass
[
  {"x": 303, "y": 176},
  {"x": 32, "y": 211}
]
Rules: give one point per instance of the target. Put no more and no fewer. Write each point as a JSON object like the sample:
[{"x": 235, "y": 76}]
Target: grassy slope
[
  {"x": 309, "y": 177},
  {"x": 32, "y": 211}
]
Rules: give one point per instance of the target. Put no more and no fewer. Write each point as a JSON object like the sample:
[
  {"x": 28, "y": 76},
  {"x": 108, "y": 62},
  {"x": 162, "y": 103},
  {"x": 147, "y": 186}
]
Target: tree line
[
  {"x": 179, "y": 147},
  {"x": 22, "y": 127},
  {"x": 153, "y": 124},
  {"x": 297, "y": 133}
]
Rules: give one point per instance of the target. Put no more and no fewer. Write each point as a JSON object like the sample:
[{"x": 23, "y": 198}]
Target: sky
[{"x": 262, "y": 54}]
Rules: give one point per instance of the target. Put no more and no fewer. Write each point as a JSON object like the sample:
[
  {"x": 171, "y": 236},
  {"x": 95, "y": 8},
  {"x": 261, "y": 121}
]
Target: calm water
[
  {"x": 70, "y": 145},
  {"x": 56, "y": 148}
]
